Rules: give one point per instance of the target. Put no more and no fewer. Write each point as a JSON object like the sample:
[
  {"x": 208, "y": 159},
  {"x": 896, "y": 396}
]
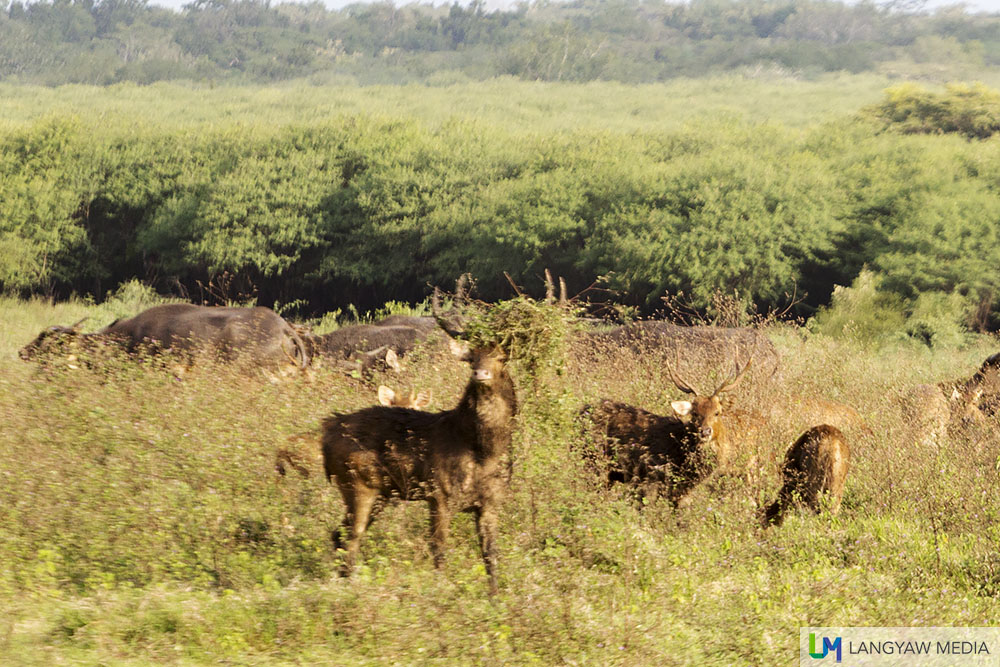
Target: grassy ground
[
  {"x": 141, "y": 521},
  {"x": 511, "y": 105}
]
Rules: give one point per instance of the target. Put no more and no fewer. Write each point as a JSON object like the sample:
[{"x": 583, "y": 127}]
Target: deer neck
[{"x": 491, "y": 411}]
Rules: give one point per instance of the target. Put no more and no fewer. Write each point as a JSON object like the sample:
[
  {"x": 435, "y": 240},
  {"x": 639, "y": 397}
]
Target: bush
[
  {"x": 861, "y": 312},
  {"x": 938, "y": 320},
  {"x": 972, "y": 110}
]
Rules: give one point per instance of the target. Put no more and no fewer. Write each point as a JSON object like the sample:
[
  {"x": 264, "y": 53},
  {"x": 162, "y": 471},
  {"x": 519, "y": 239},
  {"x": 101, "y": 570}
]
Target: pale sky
[{"x": 971, "y": 5}]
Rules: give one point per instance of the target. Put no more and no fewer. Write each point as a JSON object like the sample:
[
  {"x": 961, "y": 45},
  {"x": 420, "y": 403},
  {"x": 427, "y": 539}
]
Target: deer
[
  {"x": 302, "y": 450},
  {"x": 673, "y": 452},
  {"x": 453, "y": 459},
  {"x": 815, "y": 465}
]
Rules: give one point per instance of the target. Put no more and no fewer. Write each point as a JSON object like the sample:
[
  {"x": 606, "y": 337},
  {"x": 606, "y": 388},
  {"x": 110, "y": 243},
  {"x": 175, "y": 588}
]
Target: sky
[{"x": 971, "y": 5}]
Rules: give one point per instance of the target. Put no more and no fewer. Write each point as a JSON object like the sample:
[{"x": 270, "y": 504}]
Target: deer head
[{"x": 703, "y": 412}]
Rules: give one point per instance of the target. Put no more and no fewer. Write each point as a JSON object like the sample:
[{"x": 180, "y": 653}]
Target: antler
[
  {"x": 452, "y": 322},
  {"x": 686, "y": 387},
  {"x": 738, "y": 371}
]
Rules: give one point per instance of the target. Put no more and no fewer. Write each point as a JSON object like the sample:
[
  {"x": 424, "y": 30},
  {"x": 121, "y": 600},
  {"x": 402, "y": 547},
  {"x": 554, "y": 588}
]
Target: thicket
[
  {"x": 108, "y": 41},
  {"x": 363, "y": 209},
  {"x": 970, "y": 110}
]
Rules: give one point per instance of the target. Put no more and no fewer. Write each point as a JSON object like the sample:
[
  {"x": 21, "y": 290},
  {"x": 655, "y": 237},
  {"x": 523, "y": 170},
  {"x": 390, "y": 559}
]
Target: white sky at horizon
[{"x": 972, "y": 6}]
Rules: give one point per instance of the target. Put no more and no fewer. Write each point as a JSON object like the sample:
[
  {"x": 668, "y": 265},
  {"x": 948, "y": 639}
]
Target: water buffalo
[
  {"x": 360, "y": 346},
  {"x": 256, "y": 336},
  {"x": 422, "y": 323},
  {"x": 704, "y": 347},
  {"x": 51, "y": 339}
]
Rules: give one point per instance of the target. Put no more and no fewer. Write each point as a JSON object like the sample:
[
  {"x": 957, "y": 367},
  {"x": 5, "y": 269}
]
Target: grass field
[
  {"x": 510, "y": 105},
  {"x": 141, "y": 521}
]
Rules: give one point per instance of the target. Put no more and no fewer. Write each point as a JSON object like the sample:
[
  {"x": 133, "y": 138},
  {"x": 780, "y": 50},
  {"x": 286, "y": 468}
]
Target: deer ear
[
  {"x": 386, "y": 396},
  {"x": 955, "y": 394},
  {"x": 392, "y": 360},
  {"x": 460, "y": 349},
  {"x": 682, "y": 408},
  {"x": 422, "y": 400}
]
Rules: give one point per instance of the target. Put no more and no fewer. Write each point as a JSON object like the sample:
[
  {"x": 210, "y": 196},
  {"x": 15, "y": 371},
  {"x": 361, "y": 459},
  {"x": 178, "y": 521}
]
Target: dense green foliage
[
  {"x": 326, "y": 210},
  {"x": 973, "y": 111},
  {"x": 142, "y": 521},
  {"x": 108, "y": 41}
]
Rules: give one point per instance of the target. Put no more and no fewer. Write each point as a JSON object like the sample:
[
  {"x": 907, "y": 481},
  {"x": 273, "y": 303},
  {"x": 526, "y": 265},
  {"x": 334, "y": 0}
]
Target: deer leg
[
  {"x": 440, "y": 524},
  {"x": 486, "y": 524},
  {"x": 359, "y": 513}
]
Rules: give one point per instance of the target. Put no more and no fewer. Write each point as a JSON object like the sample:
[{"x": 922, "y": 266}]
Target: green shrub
[
  {"x": 972, "y": 110},
  {"x": 862, "y": 311},
  {"x": 938, "y": 319}
]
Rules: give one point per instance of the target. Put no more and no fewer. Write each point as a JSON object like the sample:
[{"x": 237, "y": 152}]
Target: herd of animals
[{"x": 459, "y": 459}]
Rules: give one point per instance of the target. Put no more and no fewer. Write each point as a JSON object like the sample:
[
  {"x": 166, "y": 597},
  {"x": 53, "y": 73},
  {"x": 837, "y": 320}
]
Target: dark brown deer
[
  {"x": 455, "y": 460},
  {"x": 671, "y": 453},
  {"x": 815, "y": 465}
]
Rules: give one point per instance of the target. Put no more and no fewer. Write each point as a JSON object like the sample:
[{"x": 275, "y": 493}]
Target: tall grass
[
  {"x": 511, "y": 105},
  {"x": 141, "y": 520}
]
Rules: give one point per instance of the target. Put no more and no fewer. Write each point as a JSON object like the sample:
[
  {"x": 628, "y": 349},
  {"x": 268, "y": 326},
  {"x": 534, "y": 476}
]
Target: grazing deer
[
  {"x": 926, "y": 412},
  {"x": 302, "y": 450},
  {"x": 455, "y": 459},
  {"x": 816, "y": 464},
  {"x": 673, "y": 452}
]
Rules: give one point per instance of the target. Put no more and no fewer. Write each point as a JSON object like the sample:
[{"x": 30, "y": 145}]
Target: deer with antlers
[
  {"x": 667, "y": 454},
  {"x": 456, "y": 460}
]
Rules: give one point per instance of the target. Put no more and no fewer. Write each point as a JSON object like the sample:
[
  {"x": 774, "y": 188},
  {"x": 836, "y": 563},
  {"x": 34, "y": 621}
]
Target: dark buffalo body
[
  {"x": 345, "y": 342},
  {"x": 708, "y": 345},
  {"x": 65, "y": 341},
  {"x": 257, "y": 335},
  {"x": 982, "y": 389},
  {"x": 422, "y": 323}
]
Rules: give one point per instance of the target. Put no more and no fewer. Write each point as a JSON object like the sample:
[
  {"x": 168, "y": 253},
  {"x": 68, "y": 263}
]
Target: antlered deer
[
  {"x": 816, "y": 464},
  {"x": 673, "y": 452},
  {"x": 455, "y": 459}
]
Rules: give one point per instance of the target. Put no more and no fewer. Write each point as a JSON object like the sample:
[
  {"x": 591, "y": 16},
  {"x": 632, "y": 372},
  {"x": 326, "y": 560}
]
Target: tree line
[
  {"x": 361, "y": 210},
  {"x": 107, "y": 41}
]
